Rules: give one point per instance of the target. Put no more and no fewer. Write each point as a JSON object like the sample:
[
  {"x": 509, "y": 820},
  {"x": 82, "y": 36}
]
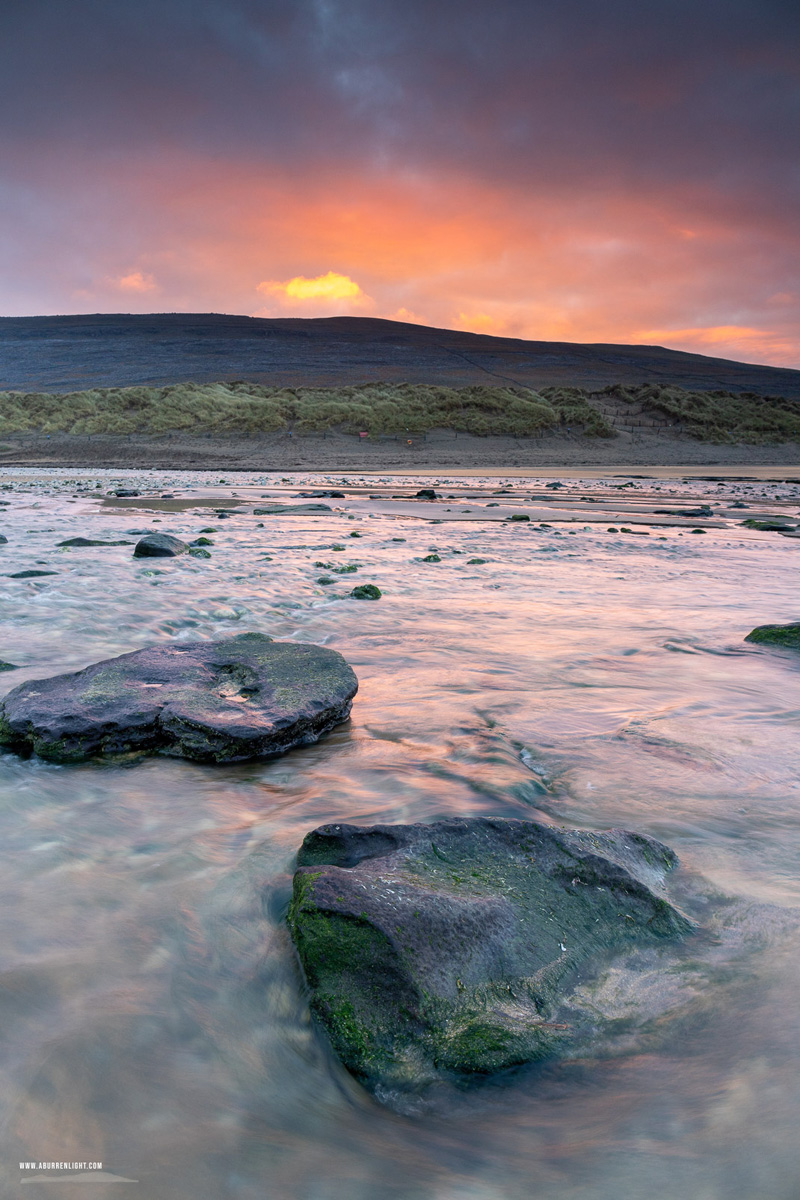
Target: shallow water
[{"x": 152, "y": 1011}]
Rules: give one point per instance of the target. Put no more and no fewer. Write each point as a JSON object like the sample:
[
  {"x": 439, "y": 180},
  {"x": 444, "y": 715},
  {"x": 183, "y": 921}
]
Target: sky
[{"x": 573, "y": 170}]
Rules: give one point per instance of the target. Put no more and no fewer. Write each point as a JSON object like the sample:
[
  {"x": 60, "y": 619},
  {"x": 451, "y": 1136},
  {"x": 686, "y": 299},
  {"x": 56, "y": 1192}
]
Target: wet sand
[{"x": 441, "y": 451}]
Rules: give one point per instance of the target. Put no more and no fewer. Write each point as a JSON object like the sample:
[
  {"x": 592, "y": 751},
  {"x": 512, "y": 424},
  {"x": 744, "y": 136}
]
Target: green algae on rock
[
  {"x": 787, "y": 636},
  {"x": 442, "y": 950},
  {"x": 240, "y": 698}
]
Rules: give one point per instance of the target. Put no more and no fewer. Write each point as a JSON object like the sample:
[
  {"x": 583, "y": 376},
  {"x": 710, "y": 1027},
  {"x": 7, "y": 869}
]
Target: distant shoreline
[{"x": 439, "y": 453}]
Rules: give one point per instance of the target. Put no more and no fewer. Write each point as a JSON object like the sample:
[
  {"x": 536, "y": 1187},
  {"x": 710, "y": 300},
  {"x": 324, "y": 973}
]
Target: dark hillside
[{"x": 71, "y": 353}]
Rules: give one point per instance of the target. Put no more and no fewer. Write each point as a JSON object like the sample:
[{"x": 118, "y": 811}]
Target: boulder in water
[
  {"x": 239, "y": 698},
  {"x": 444, "y": 950},
  {"x": 785, "y": 636},
  {"x": 159, "y": 545}
]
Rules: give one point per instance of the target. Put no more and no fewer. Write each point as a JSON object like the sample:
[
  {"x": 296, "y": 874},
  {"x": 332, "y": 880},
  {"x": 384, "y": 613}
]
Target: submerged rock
[
  {"x": 7, "y": 666},
  {"x": 159, "y": 545},
  {"x": 770, "y": 524},
  {"x": 273, "y": 510},
  {"x": 787, "y": 636},
  {"x": 82, "y": 541},
  {"x": 366, "y": 591},
  {"x": 239, "y": 698},
  {"x": 443, "y": 950}
]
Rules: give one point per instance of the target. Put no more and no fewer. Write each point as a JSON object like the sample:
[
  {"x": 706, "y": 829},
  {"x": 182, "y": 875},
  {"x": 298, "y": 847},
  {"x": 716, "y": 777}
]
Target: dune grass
[
  {"x": 246, "y": 408},
  {"x": 716, "y": 416},
  {"x": 391, "y": 409}
]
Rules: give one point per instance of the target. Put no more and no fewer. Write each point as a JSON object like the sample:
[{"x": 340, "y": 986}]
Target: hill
[{"x": 74, "y": 353}]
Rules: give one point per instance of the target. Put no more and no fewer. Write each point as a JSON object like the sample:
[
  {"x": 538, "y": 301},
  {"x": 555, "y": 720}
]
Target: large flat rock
[
  {"x": 240, "y": 698},
  {"x": 443, "y": 950}
]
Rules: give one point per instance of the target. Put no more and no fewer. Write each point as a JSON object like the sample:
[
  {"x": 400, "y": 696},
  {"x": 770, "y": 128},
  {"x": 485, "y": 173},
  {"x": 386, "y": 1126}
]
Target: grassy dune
[
  {"x": 237, "y": 408},
  {"x": 716, "y": 416},
  {"x": 383, "y": 409}
]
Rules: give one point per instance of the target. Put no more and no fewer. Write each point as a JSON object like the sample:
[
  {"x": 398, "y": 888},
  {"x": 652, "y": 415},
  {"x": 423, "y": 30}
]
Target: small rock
[
  {"x": 7, "y": 666},
  {"x": 426, "y": 494},
  {"x": 431, "y": 558},
  {"x": 201, "y": 541},
  {"x": 324, "y": 580},
  {"x": 3, "y": 540},
  {"x": 519, "y": 517},
  {"x": 159, "y": 545},
  {"x": 366, "y": 591},
  {"x": 31, "y": 574},
  {"x": 475, "y": 562}
]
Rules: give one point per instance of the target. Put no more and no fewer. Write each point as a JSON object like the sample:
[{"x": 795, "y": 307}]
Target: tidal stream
[{"x": 154, "y": 1018}]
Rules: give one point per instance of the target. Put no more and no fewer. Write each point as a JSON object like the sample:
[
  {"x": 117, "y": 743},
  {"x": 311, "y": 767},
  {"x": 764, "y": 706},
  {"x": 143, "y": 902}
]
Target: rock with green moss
[
  {"x": 239, "y": 698},
  {"x": 366, "y": 591},
  {"x": 444, "y": 950},
  {"x": 770, "y": 524},
  {"x": 786, "y": 636}
]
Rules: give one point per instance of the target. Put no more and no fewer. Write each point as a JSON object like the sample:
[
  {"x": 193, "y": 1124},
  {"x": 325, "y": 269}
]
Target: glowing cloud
[
  {"x": 301, "y": 290},
  {"x": 136, "y": 282}
]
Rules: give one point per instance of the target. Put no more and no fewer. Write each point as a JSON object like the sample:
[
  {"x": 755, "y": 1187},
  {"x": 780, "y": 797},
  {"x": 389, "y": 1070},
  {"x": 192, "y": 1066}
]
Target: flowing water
[{"x": 153, "y": 1015}]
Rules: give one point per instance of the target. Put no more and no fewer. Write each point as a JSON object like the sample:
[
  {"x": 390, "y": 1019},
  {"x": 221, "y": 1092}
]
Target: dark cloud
[{"x": 694, "y": 91}]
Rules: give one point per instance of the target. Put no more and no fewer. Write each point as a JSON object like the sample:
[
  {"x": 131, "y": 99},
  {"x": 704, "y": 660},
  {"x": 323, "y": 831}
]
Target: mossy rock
[
  {"x": 239, "y": 698},
  {"x": 443, "y": 950},
  {"x": 431, "y": 558},
  {"x": 785, "y": 636},
  {"x": 366, "y": 591},
  {"x": 775, "y": 525}
]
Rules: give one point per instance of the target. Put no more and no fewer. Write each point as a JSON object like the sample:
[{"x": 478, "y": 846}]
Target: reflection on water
[{"x": 152, "y": 1014}]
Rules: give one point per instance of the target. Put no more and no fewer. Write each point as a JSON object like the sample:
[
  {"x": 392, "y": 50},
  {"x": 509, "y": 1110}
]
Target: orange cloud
[
  {"x": 586, "y": 265},
  {"x": 724, "y": 341},
  {"x": 136, "y": 282},
  {"x": 329, "y": 288}
]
